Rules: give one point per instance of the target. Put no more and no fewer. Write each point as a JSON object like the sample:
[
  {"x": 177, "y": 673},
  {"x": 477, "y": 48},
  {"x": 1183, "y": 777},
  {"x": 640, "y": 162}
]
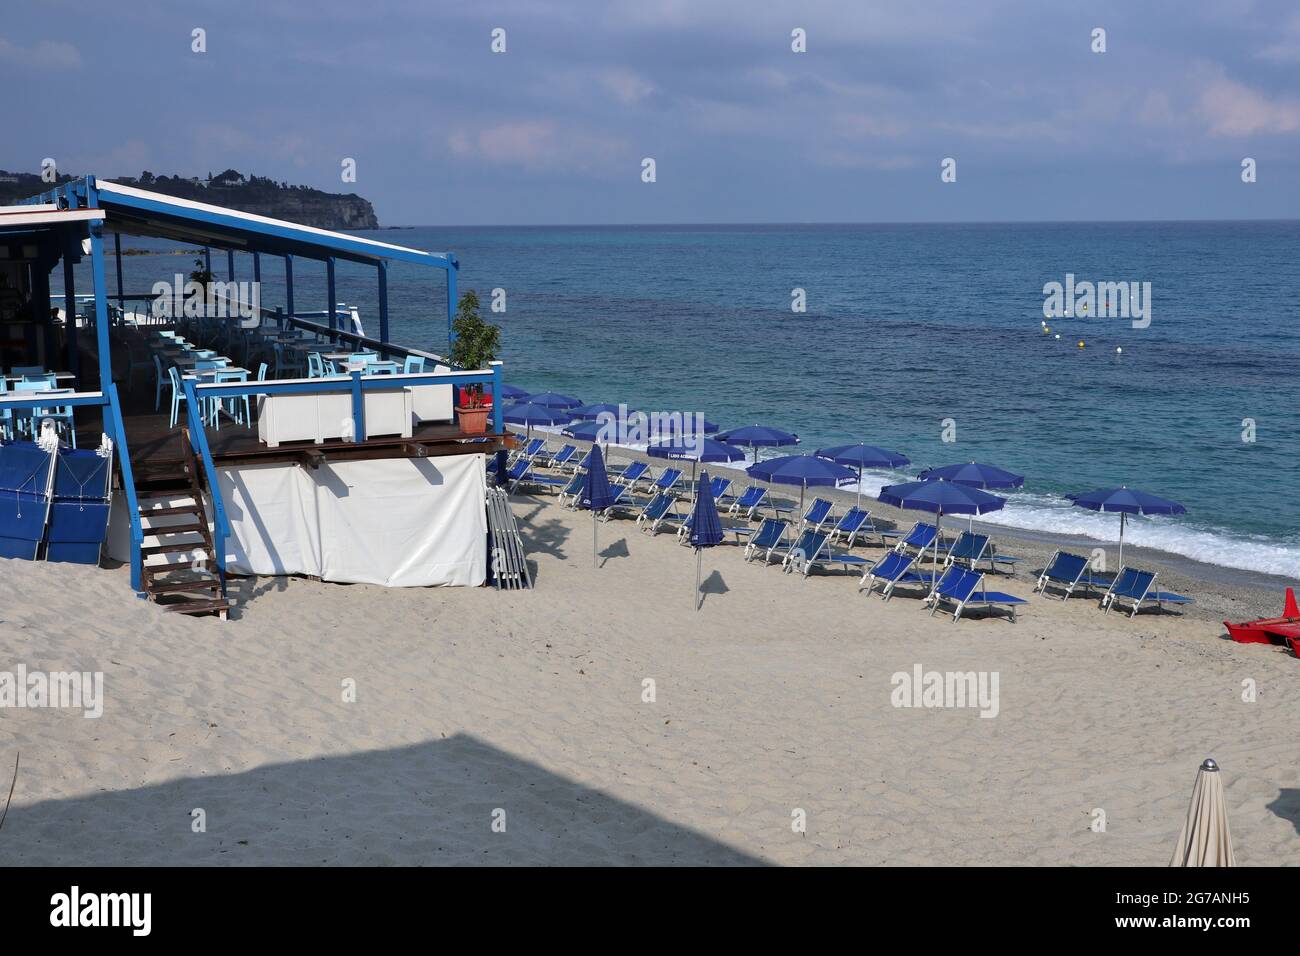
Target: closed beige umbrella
[{"x": 1205, "y": 839}]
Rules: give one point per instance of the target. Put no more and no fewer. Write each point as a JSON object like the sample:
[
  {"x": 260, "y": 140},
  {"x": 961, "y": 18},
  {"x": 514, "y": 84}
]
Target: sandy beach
[{"x": 775, "y": 698}]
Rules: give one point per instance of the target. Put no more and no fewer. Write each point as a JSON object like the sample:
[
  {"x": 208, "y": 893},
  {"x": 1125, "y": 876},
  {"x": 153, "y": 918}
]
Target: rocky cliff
[{"x": 255, "y": 194}]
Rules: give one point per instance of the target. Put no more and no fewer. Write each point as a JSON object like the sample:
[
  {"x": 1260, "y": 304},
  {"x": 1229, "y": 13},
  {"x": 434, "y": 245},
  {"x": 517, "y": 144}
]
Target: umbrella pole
[
  {"x": 593, "y": 537},
  {"x": 859, "y": 504},
  {"x": 699, "y": 559},
  {"x": 1122, "y": 516}
]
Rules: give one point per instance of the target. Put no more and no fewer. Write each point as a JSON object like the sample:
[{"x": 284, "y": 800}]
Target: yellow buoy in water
[
  {"x": 1046, "y": 328},
  {"x": 1080, "y": 343}
]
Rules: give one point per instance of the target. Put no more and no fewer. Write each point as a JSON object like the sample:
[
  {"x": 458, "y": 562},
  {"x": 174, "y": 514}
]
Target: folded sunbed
[
  {"x": 963, "y": 588},
  {"x": 1138, "y": 587}
]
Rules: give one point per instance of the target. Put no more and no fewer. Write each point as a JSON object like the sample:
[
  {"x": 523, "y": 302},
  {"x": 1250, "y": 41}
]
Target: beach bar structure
[{"x": 341, "y": 457}]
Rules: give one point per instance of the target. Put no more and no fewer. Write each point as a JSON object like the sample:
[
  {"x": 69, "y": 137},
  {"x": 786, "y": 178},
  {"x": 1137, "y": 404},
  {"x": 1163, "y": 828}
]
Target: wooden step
[
  {"x": 170, "y": 510},
  {"x": 199, "y": 528},
  {"x": 170, "y": 548},
  {"x": 173, "y": 587},
  {"x": 186, "y": 606}
]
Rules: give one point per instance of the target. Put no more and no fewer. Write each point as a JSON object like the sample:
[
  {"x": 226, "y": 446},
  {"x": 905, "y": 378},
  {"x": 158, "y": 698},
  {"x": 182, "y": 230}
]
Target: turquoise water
[{"x": 910, "y": 325}]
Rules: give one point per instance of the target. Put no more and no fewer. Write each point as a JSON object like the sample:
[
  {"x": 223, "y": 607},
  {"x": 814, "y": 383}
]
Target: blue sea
[{"x": 908, "y": 326}]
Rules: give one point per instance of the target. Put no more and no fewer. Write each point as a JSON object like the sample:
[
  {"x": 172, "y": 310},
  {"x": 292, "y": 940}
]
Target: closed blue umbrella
[
  {"x": 596, "y": 493},
  {"x": 1127, "y": 501},
  {"x": 706, "y": 528},
  {"x": 940, "y": 497},
  {"x": 554, "y": 400},
  {"x": 806, "y": 471},
  {"x": 861, "y": 456},
  {"x": 758, "y": 436}
]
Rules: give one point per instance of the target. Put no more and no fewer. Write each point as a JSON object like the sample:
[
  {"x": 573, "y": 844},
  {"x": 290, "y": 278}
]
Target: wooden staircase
[{"x": 178, "y": 556}]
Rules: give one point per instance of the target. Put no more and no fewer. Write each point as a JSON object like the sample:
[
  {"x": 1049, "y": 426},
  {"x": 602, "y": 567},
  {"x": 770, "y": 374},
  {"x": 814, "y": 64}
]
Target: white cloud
[
  {"x": 534, "y": 144},
  {"x": 1234, "y": 109},
  {"x": 46, "y": 54}
]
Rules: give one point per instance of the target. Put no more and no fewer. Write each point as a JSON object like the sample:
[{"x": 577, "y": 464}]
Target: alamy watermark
[
  {"x": 946, "y": 689},
  {"x": 645, "y": 428},
  {"x": 69, "y": 690},
  {"x": 1106, "y": 300},
  {"x": 216, "y": 299}
]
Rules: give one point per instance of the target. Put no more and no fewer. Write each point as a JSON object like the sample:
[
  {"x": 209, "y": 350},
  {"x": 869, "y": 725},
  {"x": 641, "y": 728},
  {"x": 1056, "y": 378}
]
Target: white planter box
[
  {"x": 431, "y": 403},
  {"x": 320, "y": 418}
]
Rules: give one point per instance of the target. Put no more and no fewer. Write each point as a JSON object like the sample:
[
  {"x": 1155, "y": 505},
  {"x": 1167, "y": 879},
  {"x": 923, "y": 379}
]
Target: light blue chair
[
  {"x": 158, "y": 380},
  {"x": 178, "y": 394},
  {"x": 413, "y": 365},
  {"x": 240, "y": 415},
  {"x": 62, "y": 414},
  {"x": 315, "y": 365}
]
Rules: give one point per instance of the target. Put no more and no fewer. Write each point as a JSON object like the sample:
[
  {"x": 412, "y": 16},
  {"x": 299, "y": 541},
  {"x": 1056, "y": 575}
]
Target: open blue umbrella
[
  {"x": 511, "y": 393},
  {"x": 861, "y": 456},
  {"x": 596, "y": 493},
  {"x": 975, "y": 475},
  {"x": 706, "y": 528},
  {"x": 585, "y": 431},
  {"x": 940, "y": 497},
  {"x": 695, "y": 449},
  {"x": 1127, "y": 501},
  {"x": 595, "y": 411},
  {"x": 554, "y": 400},
  {"x": 758, "y": 436},
  {"x": 530, "y": 414},
  {"x": 806, "y": 471}
]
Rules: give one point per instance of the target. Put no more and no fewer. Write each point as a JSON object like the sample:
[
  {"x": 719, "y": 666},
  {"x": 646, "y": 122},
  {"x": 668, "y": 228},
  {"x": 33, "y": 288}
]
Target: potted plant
[{"x": 476, "y": 344}]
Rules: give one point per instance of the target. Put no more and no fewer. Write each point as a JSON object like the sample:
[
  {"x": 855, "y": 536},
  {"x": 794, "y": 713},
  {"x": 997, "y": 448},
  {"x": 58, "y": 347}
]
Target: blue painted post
[
  {"x": 207, "y": 258},
  {"x": 114, "y": 425},
  {"x": 70, "y": 315},
  {"x": 498, "y": 421},
  {"x": 101, "y": 305},
  {"x": 330, "y": 296},
  {"x": 452, "y": 269},
  {"x": 288, "y": 285},
  {"x": 257, "y": 267},
  {"x": 358, "y": 408},
  {"x": 230, "y": 265},
  {"x": 383, "y": 300},
  {"x": 117, "y": 254}
]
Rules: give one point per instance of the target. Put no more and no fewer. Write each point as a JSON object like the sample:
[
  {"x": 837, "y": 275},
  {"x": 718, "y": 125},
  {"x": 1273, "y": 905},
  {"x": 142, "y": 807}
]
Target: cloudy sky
[{"x": 742, "y": 129}]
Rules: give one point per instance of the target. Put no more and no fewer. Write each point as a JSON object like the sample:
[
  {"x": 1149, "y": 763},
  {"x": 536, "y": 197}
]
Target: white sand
[{"x": 775, "y": 696}]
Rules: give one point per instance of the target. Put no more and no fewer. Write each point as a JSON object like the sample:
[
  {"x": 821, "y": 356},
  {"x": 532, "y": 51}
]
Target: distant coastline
[{"x": 254, "y": 194}]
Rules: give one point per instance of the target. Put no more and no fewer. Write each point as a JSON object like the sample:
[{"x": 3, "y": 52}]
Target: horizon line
[{"x": 846, "y": 222}]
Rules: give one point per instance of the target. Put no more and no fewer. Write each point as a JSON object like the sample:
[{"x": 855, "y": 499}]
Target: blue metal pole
[
  {"x": 358, "y": 408},
  {"x": 117, "y": 255},
  {"x": 257, "y": 267},
  {"x": 101, "y": 305},
  {"x": 330, "y": 295},
  {"x": 498, "y": 422},
  {"x": 70, "y": 315},
  {"x": 114, "y": 425},
  {"x": 207, "y": 258},
  {"x": 230, "y": 265},
  {"x": 288, "y": 285},
  {"x": 383, "y": 300}
]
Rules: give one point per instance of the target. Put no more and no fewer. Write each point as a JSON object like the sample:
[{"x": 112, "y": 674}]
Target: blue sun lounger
[
  {"x": 813, "y": 550},
  {"x": 750, "y": 500},
  {"x": 684, "y": 530},
  {"x": 530, "y": 450},
  {"x": 562, "y": 457},
  {"x": 622, "y": 501},
  {"x": 963, "y": 589},
  {"x": 633, "y": 473},
  {"x": 718, "y": 487},
  {"x": 1066, "y": 571},
  {"x": 769, "y": 538},
  {"x": 968, "y": 550},
  {"x": 667, "y": 480},
  {"x": 1138, "y": 587},
  {"x": 521, "y": 473},
  {"x": 656, "y": 510},
  {"x": 920, "y": 537},
  {"x": 856, "y": 521},
  {"x": 817, "y": 514},
  {"x": 890, "y": 571},
  {"x": 572, "y": 492}
]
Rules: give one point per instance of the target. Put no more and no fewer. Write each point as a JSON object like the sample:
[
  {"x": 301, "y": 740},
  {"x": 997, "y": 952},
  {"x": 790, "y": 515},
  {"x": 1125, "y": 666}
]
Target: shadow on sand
[{"x": 424, "y": 804}]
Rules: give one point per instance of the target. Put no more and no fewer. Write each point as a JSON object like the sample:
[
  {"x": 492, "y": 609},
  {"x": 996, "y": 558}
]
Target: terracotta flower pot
[{"x": 473, "y": 421}]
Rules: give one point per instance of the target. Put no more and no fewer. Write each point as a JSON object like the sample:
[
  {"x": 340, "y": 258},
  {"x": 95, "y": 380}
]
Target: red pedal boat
[{"x": 1271, "y": 630}]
